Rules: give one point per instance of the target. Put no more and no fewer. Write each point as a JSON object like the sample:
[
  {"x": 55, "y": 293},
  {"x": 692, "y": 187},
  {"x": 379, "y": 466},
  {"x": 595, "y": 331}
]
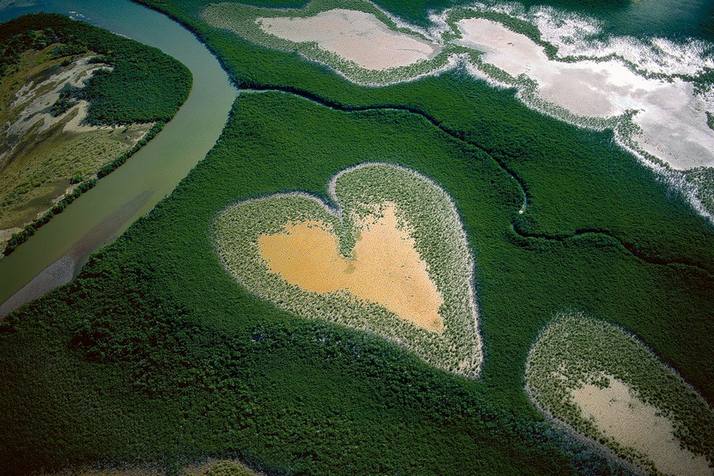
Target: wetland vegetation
[
  {"x": 75, "y": 103},
  {"x": 156, "y": 353},
  {"x": 167, "y": 332}
]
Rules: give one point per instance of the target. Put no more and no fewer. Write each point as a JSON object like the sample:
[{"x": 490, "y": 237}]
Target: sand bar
[{"x": 619, "y": 414}]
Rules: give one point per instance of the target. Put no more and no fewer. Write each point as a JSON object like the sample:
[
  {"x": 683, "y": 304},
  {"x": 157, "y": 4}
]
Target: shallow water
[
  {"x": 668, "y": 18},
  {"x": 104, "y": 212}
]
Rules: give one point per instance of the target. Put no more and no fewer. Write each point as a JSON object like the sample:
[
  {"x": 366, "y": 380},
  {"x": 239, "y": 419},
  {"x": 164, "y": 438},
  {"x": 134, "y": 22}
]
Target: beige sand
[
  {"x": 356, "y": 36},
  {"x": 619, "y": 414},
  {"x": 385, "y": 269},
  {"x": 33, "y": 100},
  {"x": 672, "y": 119}
]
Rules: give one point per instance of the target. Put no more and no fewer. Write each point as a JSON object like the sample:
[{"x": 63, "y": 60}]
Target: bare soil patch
[
  {"x": 353, "y": 35},
  {"x": 385, "y": 268}
]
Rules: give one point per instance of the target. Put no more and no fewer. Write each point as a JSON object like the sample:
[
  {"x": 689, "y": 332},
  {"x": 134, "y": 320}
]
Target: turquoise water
[{"x": 104, "y": 212}]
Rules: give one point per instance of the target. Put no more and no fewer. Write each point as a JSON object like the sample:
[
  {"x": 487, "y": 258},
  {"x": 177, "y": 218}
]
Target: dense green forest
[{"x": 156, "y": 354}]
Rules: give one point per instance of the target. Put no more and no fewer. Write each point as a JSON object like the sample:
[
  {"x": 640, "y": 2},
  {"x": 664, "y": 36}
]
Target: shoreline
[{"x": 67, "y": 267}]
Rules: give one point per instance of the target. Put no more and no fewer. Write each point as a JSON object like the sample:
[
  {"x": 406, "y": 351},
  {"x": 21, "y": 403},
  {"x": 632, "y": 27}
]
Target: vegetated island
[
  {"x": 75, "y": 102},
  {"x": 605, "y": 384},
  {"x": 391, "y": 259}
]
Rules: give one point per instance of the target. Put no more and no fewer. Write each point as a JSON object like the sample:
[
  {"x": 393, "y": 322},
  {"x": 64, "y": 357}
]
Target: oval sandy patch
[
  {"x": 606, "y": 385},
  {"x": 618, "y": 413}
]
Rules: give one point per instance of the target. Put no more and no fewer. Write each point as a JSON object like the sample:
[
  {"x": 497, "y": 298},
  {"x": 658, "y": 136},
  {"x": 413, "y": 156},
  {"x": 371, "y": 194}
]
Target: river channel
[{"x": 57, "y": 251}]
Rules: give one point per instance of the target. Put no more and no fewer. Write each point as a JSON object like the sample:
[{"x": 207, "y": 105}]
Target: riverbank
[{"x": 157, "y": 167}]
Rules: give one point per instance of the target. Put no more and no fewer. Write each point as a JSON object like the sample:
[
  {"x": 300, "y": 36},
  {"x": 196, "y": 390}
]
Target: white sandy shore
[
  {"x": 672, "y": 119},
  {"x": 354, "y": 35}
]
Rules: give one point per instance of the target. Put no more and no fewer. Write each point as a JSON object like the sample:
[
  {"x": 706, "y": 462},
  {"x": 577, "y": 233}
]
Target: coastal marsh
[
  {"x": 356, "y": 38},
  {"x": 176, "y": 360},
  {"x": 658, "y": 111}
]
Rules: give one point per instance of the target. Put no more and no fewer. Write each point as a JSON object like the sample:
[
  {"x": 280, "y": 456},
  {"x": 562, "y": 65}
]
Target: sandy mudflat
[
  {"x": 356, "y": 36},
  {"x": 619, "y": 414},
  {"x": 34, "y": 100},
  {"x": 672, "y": 118},
  {"x": 385, "y": 269}
]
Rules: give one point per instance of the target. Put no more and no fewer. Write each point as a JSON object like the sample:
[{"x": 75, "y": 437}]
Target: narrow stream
[{"x": 57, "y": 251}]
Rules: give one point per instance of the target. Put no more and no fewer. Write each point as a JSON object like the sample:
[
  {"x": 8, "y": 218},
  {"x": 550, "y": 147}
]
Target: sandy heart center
[{"x": 385, "y": 267}]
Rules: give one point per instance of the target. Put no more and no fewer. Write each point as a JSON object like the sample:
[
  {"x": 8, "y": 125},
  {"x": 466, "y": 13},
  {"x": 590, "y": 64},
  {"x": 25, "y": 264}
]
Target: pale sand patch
[
  {"x": 673, "y": 120},
  {"x": 34, "y": 100},
  {"x": 385, "y": 268},
  {"x": 619, "y": 414},
  {"x": 354, "y": 35}
]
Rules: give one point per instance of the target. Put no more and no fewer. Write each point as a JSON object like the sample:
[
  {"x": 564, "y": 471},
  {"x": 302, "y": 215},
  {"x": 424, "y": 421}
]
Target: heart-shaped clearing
[
  {"x": 391, "y": 259},
  {"x": 385, "y": 268}
]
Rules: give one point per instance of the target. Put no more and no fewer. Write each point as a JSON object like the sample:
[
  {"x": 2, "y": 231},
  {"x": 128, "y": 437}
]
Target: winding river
[{"x": 55, "y": 254}]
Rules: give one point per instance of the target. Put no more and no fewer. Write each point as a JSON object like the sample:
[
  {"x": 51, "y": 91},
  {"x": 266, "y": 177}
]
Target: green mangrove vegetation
[
  {"x": 575, "y": 351},
  {"x": 155, "y": 353},
  {"x": 170, "y": 345}
]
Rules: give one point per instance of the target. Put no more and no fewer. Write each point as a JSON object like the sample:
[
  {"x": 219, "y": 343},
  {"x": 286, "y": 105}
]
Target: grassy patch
[{"x": 574, "y": 351}]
